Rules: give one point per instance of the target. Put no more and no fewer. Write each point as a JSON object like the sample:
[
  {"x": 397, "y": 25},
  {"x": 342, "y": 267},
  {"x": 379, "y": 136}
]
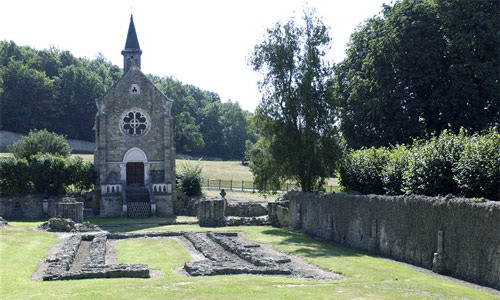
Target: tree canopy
[
  {"x": 51, "y": 89},
  {"x": 295, "y": 118},
  {"x": 422, "y": 66}
]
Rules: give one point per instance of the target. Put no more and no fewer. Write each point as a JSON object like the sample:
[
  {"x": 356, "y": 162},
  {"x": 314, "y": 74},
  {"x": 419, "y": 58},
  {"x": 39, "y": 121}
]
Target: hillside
[{"x": 55, "y": 90}]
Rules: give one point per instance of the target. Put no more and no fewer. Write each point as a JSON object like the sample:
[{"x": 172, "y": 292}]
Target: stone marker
[
  {"x": 211, "y": 212},
  {"x": 69, "y": 208}
]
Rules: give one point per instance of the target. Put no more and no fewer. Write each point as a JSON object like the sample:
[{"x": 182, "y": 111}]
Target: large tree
[
  {"x": 422, "y": 66},
  {"x": 295, "y": 119}
]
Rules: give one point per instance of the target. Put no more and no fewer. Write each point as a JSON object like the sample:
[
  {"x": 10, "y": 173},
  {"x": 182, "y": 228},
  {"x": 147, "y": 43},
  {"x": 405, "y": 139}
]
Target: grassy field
[
  {"x": 368, "y": 277},
  {"x": 214, "y": 170}
]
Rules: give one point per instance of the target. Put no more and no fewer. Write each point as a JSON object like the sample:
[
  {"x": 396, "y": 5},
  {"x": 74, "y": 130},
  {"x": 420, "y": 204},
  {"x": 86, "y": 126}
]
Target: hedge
[
  {"x": 45, "y": 173},
  {"x": 41, "y": 164},
  {"x": 460, "y": 164}
]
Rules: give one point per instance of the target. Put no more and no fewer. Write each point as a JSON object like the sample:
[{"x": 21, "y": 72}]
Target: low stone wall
[
  {"x": 407, "y": 228},
  {"x": 164, "y": 205},
  {"x": 111, "y": 205},
  {"x": 246, "y": 209},
  {"x": 27, "y": 206}
]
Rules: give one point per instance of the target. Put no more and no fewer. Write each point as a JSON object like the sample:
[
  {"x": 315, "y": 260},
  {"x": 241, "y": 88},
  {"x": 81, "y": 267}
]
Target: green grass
[
  {"x": 215, "y": 170},
  {"x": 235, "y": 196},
  {"x": 226, "y": 170},
  {"x": 220, "y": 169},
  {"x": 367, "y": 277}
]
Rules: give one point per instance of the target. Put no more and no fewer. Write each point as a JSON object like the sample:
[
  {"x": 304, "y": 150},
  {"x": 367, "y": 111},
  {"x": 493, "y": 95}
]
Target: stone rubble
[
  {"x": 67, "y": 225},
  {"x": 97, "y": 252},
  {"x": 236, "y": 259},
  {"x": 83, "y": 256},
  {"x": 247, "y": 251},
  {"x": 94, "y": 265}
]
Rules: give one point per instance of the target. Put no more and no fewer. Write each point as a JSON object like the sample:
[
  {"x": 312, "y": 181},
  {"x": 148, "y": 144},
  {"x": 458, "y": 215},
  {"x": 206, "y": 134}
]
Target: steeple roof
[{"x": 132, "y": 42}]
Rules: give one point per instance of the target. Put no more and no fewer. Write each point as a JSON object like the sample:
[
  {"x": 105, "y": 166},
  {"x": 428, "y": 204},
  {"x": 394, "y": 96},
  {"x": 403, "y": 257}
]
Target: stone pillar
[
  {"x": 123, "y": 179},
  {"x": 438, "y": 261},
  {"x": 272, "y": 213},
  {"x": 373, "y": 241},
  {"x": 71, "y": 210},
  {"x": 45, "y": 206},
  {"x": 330, "y": 226},
  {"x": 297, "y": 223},
  {"x": 211, "y": 212}
]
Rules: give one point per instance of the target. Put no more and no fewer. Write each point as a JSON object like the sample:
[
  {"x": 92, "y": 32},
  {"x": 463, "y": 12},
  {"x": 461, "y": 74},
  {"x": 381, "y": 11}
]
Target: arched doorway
[{"x": 135, "y": 167}]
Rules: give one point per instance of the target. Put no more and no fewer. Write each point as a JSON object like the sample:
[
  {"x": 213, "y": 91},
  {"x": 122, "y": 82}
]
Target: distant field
[{"x": 212, "y": 170}]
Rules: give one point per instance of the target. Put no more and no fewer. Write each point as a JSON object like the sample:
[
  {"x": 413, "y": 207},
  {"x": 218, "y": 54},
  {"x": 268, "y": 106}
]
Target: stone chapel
[{"x": 135, "y": 153}]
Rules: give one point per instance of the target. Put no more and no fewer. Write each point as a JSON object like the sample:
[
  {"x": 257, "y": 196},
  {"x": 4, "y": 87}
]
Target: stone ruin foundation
[{"x": 84, "y": 256}]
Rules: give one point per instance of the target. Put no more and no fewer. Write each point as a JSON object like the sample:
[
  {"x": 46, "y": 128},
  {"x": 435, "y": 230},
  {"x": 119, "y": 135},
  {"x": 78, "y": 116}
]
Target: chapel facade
[{"x": 135, "y": 153}]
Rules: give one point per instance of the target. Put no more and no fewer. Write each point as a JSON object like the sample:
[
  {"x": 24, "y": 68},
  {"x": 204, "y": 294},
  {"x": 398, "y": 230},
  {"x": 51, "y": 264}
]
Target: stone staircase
[{"x": 138, "y": 203}]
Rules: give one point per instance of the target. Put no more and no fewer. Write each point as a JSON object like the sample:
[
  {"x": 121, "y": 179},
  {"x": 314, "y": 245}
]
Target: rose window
[{"x": 135, "y": 123}]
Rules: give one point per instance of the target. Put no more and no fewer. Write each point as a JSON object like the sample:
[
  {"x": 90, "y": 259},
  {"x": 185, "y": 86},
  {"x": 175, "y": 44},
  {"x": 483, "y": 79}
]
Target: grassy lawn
[
  {"x": 235, "y": 196},
  {"x": 215, "y": 170},
  {"x": 368, "y": 277}
]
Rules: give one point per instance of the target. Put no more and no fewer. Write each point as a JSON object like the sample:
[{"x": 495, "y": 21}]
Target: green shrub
[
  {"x": 477, "y": 172},
  {"x": 361, "y": 170},
  {"x": 49, "y": 173},
  {"x": 456, "y": 164},
  {"x": 82, "y": 175},
  {"x": 14, "y": 175},
  {"x": 430, "y": 165},
  {"x": 40, "y": 141},
  {"x": 392, "y": 173},
  {"x": 189, "y": 179}
]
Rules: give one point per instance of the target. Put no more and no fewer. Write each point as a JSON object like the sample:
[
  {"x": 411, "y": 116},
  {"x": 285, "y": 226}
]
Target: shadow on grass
[
  {"x": 310, "y": 247},
  {"x": 131, "y": 224}
]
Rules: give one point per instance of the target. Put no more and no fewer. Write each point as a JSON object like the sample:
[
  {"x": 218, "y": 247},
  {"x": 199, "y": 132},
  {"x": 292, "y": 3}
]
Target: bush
[
  {"x": 40, "y": 141},
  {"x": 361, "y": 170},
  {"x": 82, "y": 175},
  {"x": 477, "y": 172},
  {"x": 189, "y": 179},
  {"x": 392, "y": 173},
  {"x": 14, "y": 175},
  {"x": 49, "y": 173},
  {"x": 430, "y": 165}
]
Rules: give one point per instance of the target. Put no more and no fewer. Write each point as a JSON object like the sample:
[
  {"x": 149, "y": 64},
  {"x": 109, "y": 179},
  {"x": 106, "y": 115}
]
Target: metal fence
[{"x": 249, "y": 186}]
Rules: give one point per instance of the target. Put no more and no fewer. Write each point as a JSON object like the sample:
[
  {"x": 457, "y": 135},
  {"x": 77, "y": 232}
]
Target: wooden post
[
  {"x": 242, "y": 183},
  {"x": 231, "y": 185},
  {"x": 219, "y": 184}
]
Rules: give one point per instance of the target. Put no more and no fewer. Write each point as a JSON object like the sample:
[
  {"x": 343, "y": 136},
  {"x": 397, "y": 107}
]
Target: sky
[{"x": 205, "y": 43}]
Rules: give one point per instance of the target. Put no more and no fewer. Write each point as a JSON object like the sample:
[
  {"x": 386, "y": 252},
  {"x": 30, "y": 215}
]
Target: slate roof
[{"x": 132, "y": 42}]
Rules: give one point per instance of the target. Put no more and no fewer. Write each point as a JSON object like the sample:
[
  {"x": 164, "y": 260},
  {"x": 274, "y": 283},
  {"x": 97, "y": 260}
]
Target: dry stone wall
[
  {"x": 408, "y": 228},
  {"x": 28, "y": 207},
  {"x": 246, "y": 209}
]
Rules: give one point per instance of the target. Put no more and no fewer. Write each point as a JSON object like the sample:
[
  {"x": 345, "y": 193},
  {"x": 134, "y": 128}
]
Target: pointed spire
[
  {"x": 132, "y": 52},
  {"x": 132, "y": 41}
]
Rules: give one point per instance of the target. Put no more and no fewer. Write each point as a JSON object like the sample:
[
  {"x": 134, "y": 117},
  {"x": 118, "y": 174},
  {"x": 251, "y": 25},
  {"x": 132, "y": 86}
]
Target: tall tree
[
  {"x": 295, "y": 118},
  {"x": 421, "y": 67}
]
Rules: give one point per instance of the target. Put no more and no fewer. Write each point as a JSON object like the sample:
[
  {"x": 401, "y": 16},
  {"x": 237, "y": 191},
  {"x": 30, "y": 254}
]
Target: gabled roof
[
  {"x": 132, "y": 42},
  {"x": 133, "y": 70}
]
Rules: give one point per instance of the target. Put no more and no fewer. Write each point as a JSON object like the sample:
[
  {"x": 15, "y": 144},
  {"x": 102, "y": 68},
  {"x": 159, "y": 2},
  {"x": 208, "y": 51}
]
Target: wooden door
[{"x": 135, "y": 173}]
